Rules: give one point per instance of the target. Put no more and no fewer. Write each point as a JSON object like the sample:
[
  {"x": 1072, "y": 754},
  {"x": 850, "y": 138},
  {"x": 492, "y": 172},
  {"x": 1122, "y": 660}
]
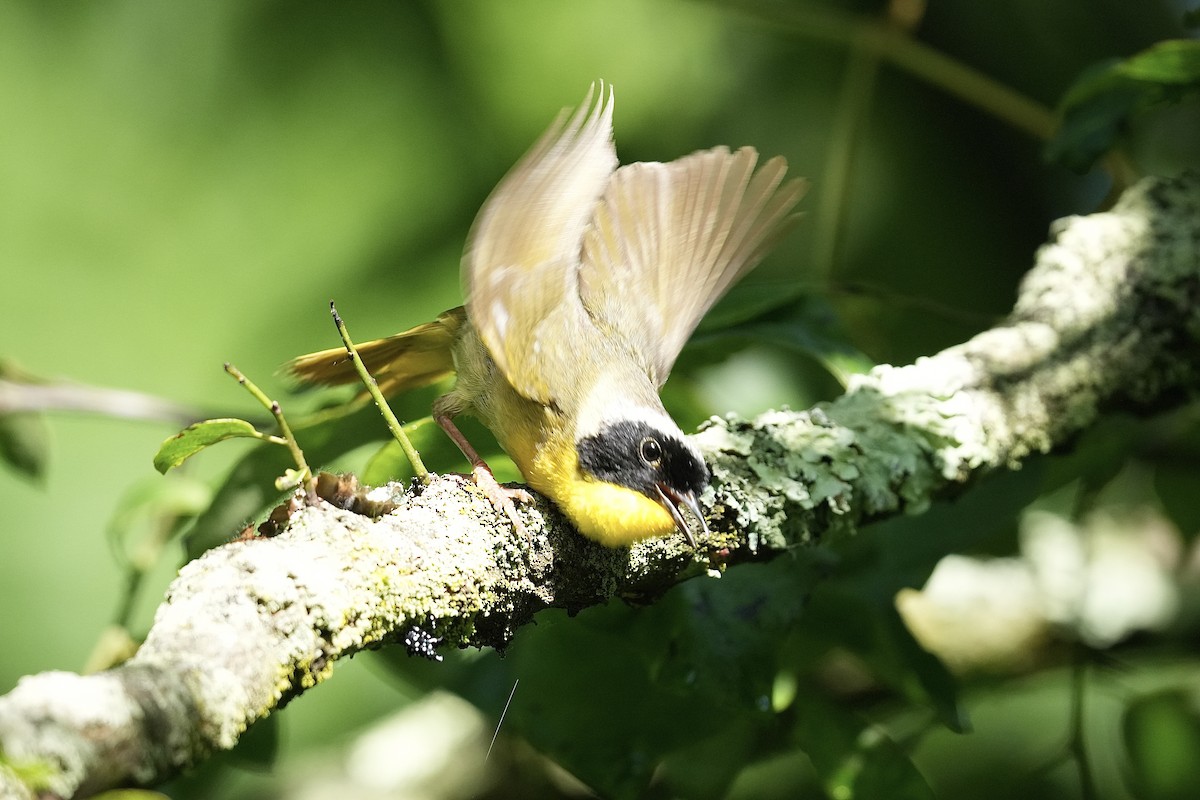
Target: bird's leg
[{"x": 501, "y": 497}]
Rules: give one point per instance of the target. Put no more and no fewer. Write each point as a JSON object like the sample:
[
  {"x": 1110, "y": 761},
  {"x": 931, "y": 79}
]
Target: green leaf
[
  {"x": 194, "y": 438},
  {"x": 24, "y": 444},
  {"x": 930, "y": 674},
  {"x": 708, "y": 767},
  {"x": 1161, "y": 732},
  {"x": 881, "y": 770},
  {"x": 1175, "y": 482},
  {"x": 709, "y": 648},
  {"x": 1090, "y": 130},
  {"x": 249, "y": 488},
  {"x": 1172, "y": 62},
  {"x": 1107, "y": 96},
  {"x": 136, "y": 529},
  {"x": 624, "y": 717},
  {"x": 843, "y": 616},
  {"x": 855, "y": 759},
  {"x": 258, "y": 747},
  {"x": 806, "y": 324}
]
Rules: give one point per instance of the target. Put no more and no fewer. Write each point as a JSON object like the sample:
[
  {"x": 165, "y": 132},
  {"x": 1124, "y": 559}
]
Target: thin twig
[
  {"x": 17, "y": 396},
  {"x": 1078, "y": 743},
  {"x": 373, "y": 389},
  {"x": 306, "y": 474},
  {"x": 500, "y": 721}
]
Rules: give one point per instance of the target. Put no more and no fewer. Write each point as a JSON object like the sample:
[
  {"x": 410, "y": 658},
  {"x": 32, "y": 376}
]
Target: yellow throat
[{"x": 608, "y": 513}]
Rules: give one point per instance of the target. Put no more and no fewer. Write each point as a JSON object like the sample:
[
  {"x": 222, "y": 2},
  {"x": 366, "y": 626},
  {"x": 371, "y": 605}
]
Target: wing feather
[
  {"x": 407, "y": 360},
  {"x": 668, "y": 240},
  {"x": 521, "y": 263}
]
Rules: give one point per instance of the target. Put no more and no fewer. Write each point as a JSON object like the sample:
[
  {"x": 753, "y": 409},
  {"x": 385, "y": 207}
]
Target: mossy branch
[{"x": 1109, "y": 317}]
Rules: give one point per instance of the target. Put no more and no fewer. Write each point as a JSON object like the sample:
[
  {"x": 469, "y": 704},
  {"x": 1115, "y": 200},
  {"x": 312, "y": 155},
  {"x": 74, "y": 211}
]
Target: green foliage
[
  {"x": 249, "y": 489},
  {"x": 1106, "y": 99},
  {"x": 199, "y": 436},
  {"x": 854, "y": 758},
  {"x": 38, "y": 775},
  {"x": 662, "y": 684},
  {"x": 1162, "y": 735},
  {"x": 24, "y": 436},
  {"x": 683, "y": 696},
  {"x": 802, "y": 323},
  {"x": 24, "y": 444},
  {"x": 150, "y": 513}
]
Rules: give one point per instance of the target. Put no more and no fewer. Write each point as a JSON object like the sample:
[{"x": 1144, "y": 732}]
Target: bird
[{"x": 583, "y": 279}]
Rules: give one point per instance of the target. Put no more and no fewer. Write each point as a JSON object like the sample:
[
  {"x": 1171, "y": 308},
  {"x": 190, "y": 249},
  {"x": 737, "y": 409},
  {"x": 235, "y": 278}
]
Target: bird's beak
[{"x": 673, "y": 501}]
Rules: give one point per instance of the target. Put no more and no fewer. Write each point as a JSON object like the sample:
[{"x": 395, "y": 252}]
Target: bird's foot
[{"x": 502, "y": 498}]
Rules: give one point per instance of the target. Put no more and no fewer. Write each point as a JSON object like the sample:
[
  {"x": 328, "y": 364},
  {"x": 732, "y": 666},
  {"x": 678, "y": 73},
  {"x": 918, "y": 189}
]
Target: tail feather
[{"x": 408, "y": 360}]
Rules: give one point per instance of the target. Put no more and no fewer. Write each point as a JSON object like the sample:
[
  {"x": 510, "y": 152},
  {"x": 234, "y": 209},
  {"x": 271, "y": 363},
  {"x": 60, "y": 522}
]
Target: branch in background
[
  {"x": 889, "y": 39},
  {"x": 1109, "y": 317},
  {"x": 25, "y": 398},
  {"x": 19, "y": 396}
]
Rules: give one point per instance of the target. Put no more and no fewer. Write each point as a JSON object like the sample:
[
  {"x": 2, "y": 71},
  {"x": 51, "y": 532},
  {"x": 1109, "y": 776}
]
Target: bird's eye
[{"x": 650, "y": 451}]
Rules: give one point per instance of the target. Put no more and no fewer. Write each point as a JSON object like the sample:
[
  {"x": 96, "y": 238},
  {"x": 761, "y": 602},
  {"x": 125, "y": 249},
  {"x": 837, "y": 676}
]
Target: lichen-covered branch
[{"x": 1109, "y": 316}]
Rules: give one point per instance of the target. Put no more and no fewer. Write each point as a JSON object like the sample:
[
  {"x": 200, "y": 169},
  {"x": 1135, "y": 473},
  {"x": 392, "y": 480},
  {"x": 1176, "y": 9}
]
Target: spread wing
[
  {"x": 520, "y": 271},
  {"x": 668, "y": 240}
]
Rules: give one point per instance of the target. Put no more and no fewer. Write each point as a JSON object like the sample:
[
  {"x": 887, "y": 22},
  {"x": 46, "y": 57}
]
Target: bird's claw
[{"x": 502, "y": 498}]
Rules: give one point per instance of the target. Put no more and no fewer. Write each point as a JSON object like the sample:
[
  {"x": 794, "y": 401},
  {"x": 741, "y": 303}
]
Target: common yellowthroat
[{"x": 583, "y": 280}]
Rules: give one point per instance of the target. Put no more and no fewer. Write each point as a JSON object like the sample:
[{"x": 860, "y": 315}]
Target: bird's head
[{"x": 650, "y": 456}]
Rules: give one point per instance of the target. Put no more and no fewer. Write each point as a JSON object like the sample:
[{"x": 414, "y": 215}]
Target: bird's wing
[
  {"x": 520, "y": 271},
  {"x": 668, "y": 240}
]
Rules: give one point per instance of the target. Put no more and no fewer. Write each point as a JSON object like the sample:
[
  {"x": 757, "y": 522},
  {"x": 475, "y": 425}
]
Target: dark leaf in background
[
  {"x": 805, "y": 324},
  {"x": 149, "y": 513},
  {"x": 844, "y": 619},
  {"x": 722, "y": 636},
  {"x": 25, "y": 444},
  {"x": 623, "y": 719},
  {"x": 709, "y": 766},
  {"x": 854, "y": 758},
  {"x": 258, "y": 747},
  {"x": 1106, "y": 97},
  {"x": 1162, "y": 737}
]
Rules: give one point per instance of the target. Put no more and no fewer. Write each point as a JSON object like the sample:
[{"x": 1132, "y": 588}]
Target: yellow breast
[
  {"x": 613, "y": 515},
  {"x": 605, "y": 512}
]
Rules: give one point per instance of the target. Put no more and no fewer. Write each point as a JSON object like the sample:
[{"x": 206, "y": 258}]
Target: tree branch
[{"x": 1108, "y": 317}]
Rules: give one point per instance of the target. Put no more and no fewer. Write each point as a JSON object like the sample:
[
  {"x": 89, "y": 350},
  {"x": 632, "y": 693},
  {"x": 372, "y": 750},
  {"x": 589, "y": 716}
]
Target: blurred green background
[{"x": 187, "y": 184}]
